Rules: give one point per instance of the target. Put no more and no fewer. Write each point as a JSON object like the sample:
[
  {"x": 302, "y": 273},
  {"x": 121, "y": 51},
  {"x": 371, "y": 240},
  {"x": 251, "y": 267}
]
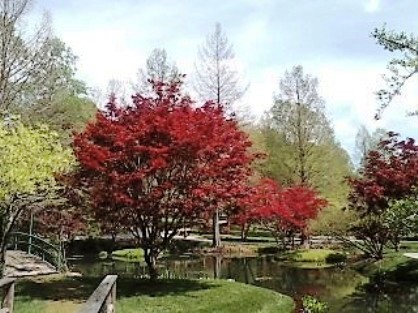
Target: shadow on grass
[
  {"x": 382, "y": 296},
  {"x": 80, "y": 289},
  {"x": 404, "y": 271}
]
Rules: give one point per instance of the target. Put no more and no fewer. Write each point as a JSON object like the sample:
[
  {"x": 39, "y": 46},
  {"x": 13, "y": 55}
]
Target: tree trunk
[
  {"x": 113, "y": 243},
  {"x": 396, "y": 243},
  {"x": 2, "y": 262},
  {"x": 216, "y": 240},
  {"x": 244, "y": 231},
  {"x": 304, "y": 241},
  {"x": 217, "y": 266},
  {"x": 150, "y": 260}
]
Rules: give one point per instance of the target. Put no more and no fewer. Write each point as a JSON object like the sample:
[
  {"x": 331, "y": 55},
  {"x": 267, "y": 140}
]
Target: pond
[{"x": 343, "y": 289}]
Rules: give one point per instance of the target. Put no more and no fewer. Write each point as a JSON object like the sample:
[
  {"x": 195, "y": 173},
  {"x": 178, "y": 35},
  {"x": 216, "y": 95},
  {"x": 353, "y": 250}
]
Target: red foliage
[
  {"x": 63, "y": 224},
  {"x": 391, "y": 172},
  {"x": 160, "y": 163},
  {"x": 61, "y": 218},
  {"x": 281, "y": 210}
]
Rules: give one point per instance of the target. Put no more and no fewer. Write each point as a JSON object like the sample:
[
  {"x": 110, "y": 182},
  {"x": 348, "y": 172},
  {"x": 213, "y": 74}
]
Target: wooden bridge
[{"x": 29, "y": 255}]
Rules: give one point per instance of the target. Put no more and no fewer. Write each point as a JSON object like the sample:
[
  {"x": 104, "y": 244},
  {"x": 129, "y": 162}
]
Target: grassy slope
[
  {"x": 208, "y": 297},
  {"x": 394, "y": 265},
  {"x": 166, "y": 296}
]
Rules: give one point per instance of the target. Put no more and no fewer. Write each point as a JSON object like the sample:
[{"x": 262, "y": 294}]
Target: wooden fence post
[
  {"x": 8, "y": 286},
  {"x": 103, "y": 299}
]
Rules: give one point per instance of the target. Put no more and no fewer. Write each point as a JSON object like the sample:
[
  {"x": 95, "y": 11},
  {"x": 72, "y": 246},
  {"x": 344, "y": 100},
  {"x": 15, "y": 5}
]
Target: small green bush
[
  {"x": 336, "y": 258},
  {"x": 268, "y": 250},
  {"x": 313, "y": 305}
]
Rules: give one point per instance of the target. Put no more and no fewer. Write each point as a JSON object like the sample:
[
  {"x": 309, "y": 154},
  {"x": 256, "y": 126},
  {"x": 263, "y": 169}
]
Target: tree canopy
[
  {"x": 160, "y": 164},
  {"x": 30, "y": 158},
  {"x": 389, "y": 174}
]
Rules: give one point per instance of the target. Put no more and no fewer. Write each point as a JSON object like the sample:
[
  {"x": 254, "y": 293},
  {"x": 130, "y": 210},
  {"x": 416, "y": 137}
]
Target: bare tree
[
  {"x": 298, "y": 114},
  {"x": 23, "y": 58},
  {"x": 365, "y": 142},
  {"x": 159, "y": 69},
  {"x": 216, "y": 79},
  {"x": 362, "y": 145}
]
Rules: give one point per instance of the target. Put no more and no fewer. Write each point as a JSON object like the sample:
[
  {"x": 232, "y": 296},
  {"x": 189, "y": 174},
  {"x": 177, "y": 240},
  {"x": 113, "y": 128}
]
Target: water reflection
[
  {"x": 381, "y": 296},
  {"x": 343, "y": 289}
]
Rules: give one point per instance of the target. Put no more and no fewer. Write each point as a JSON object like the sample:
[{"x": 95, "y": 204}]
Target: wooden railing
[
  {"x": 8, "y": 286},
  {"x": 53, "y": 254},
  {"x": 103, "y": 299}
]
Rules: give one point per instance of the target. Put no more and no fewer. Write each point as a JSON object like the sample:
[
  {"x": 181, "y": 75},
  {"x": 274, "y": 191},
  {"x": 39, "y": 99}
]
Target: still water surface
[{"x": 343, "y": 289}]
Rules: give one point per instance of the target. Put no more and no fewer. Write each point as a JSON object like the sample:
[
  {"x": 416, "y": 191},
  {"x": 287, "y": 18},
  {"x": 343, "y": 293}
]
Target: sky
[{"x": 329, "y": 38}]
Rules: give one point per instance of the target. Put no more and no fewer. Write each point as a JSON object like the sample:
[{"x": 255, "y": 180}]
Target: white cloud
[
  {"x": 372, "y": 6},
  {"x": 113, "y": 40}
]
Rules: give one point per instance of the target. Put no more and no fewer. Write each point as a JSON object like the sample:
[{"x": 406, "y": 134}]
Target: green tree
[
  {"x": 29, "y": 158},
  {"x": 33, "y": 67},
  {"x": 58, "y": 75},
  {"x": 401, "y": 218},
  {"x": 301, "y": 147},
  {"x": 64, "y": 114},
  {"x": 298, "y": 115},
  {"x": 401, "y": 68}
]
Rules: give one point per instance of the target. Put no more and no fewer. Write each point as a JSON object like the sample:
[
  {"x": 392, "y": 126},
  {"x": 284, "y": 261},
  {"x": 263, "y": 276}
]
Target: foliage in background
[
  {"x": 298, "y": 118},
  {"x": 216, "y": 78},
  {"x": 401, "y": 218},
  {"x": 282, "y": 211},
  {"x": 299, "y": 142},
  {"x": 366, "y": 142},
  {"x": 390, "y": 173},
  {"x": 30, "y": 158},
  {"x": 35, "y": 66},
  {"x": 158, "y": 69},
  {"x": 64, "y": 114},
  {"x": 401, "y": 68}
]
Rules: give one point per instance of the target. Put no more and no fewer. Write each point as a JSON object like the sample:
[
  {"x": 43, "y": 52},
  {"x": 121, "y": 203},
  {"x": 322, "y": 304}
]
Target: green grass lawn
[
  {"x": 65, "y": 295},
  {"x": 394, "y": 265},
  {"x": 314, "y": 255},
  {"x": 130, "y": 255}
]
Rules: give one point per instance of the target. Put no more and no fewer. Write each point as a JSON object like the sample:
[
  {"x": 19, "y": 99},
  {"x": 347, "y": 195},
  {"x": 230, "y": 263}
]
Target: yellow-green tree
[{"x": 30, "y": 159}]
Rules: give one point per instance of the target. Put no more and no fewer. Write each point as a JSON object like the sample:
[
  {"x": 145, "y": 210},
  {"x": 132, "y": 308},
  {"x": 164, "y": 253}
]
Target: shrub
[
  {"x": 313, "y": 305},
  {"x": 333, "y": 258},
  {"x": 268, "y": 250}
]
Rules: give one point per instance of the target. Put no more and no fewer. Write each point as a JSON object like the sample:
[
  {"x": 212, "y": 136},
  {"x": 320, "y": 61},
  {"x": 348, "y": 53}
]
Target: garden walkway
[
  {"x": 411, "y": 255},
  {"x": 19, "y": 264}
]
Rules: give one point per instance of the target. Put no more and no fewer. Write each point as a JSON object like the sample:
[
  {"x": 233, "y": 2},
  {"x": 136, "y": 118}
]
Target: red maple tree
[
  {"x": 160, "y": 164},
  {"x": 390, "y": 173},
  {"x": 283, "y": 211}
]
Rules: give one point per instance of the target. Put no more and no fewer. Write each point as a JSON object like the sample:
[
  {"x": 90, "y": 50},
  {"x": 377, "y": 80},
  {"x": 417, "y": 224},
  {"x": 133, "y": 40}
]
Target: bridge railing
[
  {"x": 53, "y": 254},
  {"x": 8, "y": 286},
  {"x": 103, "y": 299}
]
